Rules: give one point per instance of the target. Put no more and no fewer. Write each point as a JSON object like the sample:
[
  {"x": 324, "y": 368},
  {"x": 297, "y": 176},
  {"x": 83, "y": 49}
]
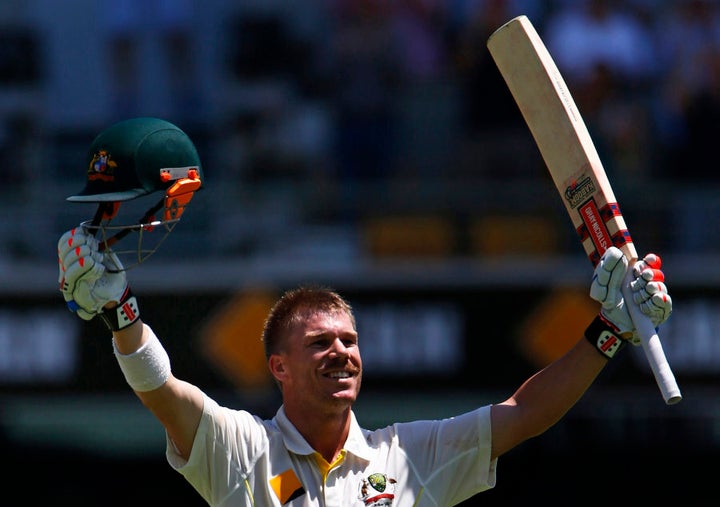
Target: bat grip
[{"x": 651, "y": 346}]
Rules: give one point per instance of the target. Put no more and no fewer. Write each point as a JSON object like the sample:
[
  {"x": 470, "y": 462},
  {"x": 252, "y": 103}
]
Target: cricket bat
[{"x": 574, "y": 164}]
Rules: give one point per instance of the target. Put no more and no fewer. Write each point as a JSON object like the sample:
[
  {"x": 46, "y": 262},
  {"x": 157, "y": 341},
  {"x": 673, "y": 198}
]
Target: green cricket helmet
[{"x": 135, "y": 158}]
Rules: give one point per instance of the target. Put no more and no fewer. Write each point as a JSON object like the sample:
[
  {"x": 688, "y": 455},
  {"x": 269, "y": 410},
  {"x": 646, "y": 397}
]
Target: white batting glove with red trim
[
  {"x": 649, "y": 291},
  {"x": 87, "y": 277}
]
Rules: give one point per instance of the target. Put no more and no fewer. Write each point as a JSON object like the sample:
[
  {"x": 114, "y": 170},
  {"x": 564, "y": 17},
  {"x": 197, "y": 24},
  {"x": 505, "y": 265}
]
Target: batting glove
[
  {"x": 88, "y": 279},
  {"x": 648, "y": 289}
]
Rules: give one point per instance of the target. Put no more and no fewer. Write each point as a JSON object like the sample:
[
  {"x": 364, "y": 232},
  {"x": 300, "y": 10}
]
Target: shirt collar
[{"x": 355, "y": 444}]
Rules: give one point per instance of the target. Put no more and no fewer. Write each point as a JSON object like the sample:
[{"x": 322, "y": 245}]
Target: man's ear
[{"x": 277, "y": 367}]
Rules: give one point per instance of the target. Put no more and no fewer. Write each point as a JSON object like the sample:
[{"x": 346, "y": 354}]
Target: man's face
[{"x": 321, "y": 364}]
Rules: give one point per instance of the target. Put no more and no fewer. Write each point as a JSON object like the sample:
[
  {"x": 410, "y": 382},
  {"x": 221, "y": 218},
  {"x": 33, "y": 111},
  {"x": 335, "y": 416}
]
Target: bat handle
[{"x": 652, "y": 347}]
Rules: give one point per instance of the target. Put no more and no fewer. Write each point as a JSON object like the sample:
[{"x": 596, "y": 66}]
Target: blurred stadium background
[{"x": 369, "y": 145}]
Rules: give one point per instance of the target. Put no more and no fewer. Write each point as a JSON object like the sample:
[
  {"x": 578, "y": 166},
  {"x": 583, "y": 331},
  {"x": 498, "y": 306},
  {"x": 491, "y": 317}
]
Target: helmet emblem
[{"x": 102, "y": 167}]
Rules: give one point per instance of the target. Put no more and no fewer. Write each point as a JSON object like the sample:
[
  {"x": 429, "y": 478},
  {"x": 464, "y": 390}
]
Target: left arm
[{"x": 543, "y": 399}]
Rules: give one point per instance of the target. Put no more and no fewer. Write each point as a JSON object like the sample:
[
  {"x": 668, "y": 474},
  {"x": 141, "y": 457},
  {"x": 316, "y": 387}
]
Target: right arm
[
  {"x": 176, "y": 404},
  {"x": 92, "y": 290}
]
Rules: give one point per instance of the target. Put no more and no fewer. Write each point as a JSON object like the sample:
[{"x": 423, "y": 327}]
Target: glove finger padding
[
  {"x": 651, "y": 295},
  {"x": 80, "y": 263},
  {"x": 608, "y": 278},
  {"x": 88, "y": 279},
  {"x": 651, "y": 260},
  {"x": 75, "y": 238},
  {"x": 606, "y": 288},
  {"x": 658, "y": 308},
  {"x": 74, "y": 247}
]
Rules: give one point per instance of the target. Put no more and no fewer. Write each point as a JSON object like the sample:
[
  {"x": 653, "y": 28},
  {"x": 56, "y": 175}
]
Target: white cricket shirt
[{"x": 238, "y": 459}]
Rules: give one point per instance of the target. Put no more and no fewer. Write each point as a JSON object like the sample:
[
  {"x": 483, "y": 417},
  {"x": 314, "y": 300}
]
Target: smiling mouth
[{"x": 339, "y": 374}]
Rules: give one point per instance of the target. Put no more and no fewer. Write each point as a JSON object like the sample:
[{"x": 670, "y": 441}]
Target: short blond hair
[{"x": 295, "y": 305}]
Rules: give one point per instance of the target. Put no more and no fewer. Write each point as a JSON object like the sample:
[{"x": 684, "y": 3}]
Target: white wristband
[{"x": 148, "y": 367}]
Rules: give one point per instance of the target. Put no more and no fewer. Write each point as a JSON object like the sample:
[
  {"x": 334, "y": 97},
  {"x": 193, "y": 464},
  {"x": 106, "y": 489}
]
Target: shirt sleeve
[
  {"x": 451, "y": 456},
  {"x": 225, "y": 443}
]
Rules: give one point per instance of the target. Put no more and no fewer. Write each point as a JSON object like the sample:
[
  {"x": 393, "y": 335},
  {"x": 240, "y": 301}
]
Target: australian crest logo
[
  {"x": 377, "y": 490},
  {"x": 579, "y": 191},
  {"x": 102, "y": 167}
]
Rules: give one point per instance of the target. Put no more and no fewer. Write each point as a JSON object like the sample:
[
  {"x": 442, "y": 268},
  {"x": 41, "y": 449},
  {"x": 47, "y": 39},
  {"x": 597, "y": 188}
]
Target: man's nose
[{"x": 338, "y": 348}]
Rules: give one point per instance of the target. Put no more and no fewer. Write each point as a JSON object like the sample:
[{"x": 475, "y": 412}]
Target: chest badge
[{"x": 377, "y": 490}]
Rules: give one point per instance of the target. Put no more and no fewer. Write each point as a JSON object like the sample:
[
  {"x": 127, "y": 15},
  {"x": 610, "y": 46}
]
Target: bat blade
[{"x": 574, "y": 164}]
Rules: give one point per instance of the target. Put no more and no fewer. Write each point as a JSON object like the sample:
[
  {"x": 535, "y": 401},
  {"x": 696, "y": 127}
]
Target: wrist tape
[
  {"x": 603, "y": 335},
  {"x": 148, "y": 367},
  {"x": 125, "y": 313}
]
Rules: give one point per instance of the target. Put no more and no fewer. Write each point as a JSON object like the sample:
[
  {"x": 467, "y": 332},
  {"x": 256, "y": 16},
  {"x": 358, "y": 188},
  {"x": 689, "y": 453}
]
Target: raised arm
[
  {"x": 94, "y": 285},
  {"x": 543, "y": 399},
  {"x": 175, "y": 403}
]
